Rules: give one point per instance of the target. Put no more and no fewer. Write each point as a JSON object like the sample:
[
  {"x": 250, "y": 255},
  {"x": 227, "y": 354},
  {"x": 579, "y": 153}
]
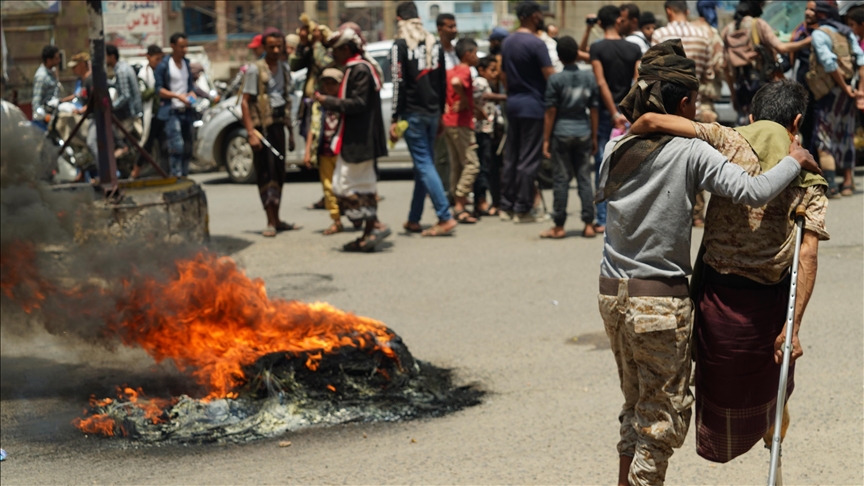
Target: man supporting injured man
[
  {"x": 742, "y": 295},
  {"x": 650, "y": 184}
]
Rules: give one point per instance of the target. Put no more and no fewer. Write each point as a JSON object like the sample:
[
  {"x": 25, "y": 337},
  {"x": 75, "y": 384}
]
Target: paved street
[{"x": 495, "y": 303}]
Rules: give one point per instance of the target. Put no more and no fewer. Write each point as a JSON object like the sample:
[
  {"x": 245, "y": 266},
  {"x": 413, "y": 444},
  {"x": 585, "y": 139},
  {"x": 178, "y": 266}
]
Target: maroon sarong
[{"x": 736, "y": 376}]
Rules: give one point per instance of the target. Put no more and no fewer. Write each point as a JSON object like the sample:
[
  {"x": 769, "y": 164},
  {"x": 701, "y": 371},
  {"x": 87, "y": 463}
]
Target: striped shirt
[{"x": 697, "y": 44}]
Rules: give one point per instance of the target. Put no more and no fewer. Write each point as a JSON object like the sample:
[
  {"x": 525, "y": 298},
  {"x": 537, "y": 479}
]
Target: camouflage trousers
[{"x": 650, "y": 338}]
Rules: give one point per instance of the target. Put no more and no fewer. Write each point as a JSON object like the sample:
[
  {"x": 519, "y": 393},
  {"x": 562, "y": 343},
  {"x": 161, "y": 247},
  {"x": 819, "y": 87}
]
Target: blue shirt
[
  {"x": 523, "y": 57},
  {"x": 573, "y": 92},
  {"x": 823, "y": 47}
]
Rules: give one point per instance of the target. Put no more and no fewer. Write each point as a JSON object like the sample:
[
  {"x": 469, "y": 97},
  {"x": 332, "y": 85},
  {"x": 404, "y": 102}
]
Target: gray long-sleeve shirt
[{"x": 650, "y": 216}]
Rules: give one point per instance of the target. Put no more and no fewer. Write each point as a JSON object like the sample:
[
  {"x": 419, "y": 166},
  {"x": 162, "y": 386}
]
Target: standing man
[
  {"x": 266, "y": 108},
  {"x": 360, "y": 138},
  {"x": 614, "y": 61},
  {"x": 526, "y": 67},
  {"x": 45, "y": 84},
  {"x": 836, "y": 58},
  {"x": 742, "y": 295},
  {"x": 448, "y": 32},
  {"x": 174, "y": 85},
  {"x": 699, "y": 46},
  {"x": 127, "y": 102},
  {"x": 150, "y": 101},
  {"x": 650, "y": 183},
  {"x": 629, "y": 20},
  {"x": 419, "y": 89}
]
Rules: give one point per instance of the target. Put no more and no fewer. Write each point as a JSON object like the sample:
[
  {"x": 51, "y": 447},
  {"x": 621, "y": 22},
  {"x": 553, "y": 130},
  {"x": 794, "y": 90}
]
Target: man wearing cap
[
  {"x": 417, "y": 65},
  {"x": 644, "y": 299},
  {"x": 496, "y": 38},
  {"x": 266, "y": 105},
  {"x": 80, "y": 65}
]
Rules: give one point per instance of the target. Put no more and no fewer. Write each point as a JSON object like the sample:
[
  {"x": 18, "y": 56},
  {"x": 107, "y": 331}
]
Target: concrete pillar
[
  {"x": 333, "y": 14},
  {"x": 389, "y": 12},
  {"x": 310, "y": 7},
  {"x": 221, "y": 25},
  {"x": 260, "y": 21}
]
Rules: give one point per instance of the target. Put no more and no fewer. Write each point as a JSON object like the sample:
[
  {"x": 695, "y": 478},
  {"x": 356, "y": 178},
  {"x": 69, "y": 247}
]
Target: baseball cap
[
  {"x": 77, "y": 58},
  {"x": 499, "y": 33},
  {"x": 332, "y": 73},
  {"x": 256, "y": 42}
]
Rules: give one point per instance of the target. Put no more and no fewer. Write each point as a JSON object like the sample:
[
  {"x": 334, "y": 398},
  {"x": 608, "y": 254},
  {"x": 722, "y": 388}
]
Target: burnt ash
[{"x": 283, "y": 394}]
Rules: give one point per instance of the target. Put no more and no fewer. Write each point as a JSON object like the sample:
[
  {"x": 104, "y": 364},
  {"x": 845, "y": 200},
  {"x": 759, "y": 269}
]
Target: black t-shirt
[{"x": 619, "y": 58}]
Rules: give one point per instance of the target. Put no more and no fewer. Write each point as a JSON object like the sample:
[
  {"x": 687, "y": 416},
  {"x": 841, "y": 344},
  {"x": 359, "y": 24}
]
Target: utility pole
[{"x": 101, "y": 99}]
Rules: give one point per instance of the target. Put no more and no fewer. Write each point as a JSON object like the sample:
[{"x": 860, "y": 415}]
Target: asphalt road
[{"x": 494, "y": 302}]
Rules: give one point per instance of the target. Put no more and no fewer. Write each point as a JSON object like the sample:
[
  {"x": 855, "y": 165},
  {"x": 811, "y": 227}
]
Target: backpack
[
  {"x": 820, "y": 82},
  {"x": 752, "y": 64}
]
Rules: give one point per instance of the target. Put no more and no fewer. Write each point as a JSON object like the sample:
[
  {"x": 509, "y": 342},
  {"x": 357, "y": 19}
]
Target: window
[
  {"x": 434, "y": 10},
  {"x": 199, "y": 21},
  {"x": 238, "y": 17}
]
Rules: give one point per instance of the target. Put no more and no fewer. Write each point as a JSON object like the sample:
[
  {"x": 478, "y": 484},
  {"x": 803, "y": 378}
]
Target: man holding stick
[{"x": 266, "y": 108}]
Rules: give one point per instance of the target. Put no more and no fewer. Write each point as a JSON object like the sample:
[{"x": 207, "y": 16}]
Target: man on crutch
[{"x": 743, "y": 294}]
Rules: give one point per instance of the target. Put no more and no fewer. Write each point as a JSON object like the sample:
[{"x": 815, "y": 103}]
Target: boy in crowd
[
  {"x": 572, "y": 135},
  {"x": 322, "y": 128},
  {"x": 489, "y": 178},
  {"x": 459, "y": 129}
]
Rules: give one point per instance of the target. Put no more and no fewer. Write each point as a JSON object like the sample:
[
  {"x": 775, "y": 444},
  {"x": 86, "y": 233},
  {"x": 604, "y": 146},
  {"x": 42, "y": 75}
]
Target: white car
[{"x": 221, "y": 139}]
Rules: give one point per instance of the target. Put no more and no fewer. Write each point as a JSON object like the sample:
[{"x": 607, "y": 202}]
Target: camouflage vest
[
  {"x": 261, "y": 112},
  {"x": 820, "y": 82}
]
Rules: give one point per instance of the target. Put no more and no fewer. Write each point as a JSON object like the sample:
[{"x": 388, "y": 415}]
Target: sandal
[
  {"x": 585, "y": 233},
  {"x": 464, "y": 217},
  {"x": 599, "y": 229},
  {"x": 334, "y": 228},
  {"x": 493, "y": 211},
  {"x": 438, "y": 230},
  {"x": 283, "y": 226},
  {"x": 412, "y": 227},
  {"x": 551, "y": 235},
  {"x": 270, "y": 232},
  {"x": 847, "y": 191},
  {"x": 317, "y": 205},
  {"x": 832, "y": 193}
]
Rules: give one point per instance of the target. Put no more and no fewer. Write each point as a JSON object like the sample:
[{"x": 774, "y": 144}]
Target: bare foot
[
  {"x": 589, "y": 232},
  {"x": 600, "y": 229}
]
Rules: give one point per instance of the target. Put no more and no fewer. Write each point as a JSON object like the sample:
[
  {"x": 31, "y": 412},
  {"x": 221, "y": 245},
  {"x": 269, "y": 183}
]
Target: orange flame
[
  {"x": 97, "y": 424},
  {"x": 212, "y": 320},
  {"x": 19, "y": 277}
]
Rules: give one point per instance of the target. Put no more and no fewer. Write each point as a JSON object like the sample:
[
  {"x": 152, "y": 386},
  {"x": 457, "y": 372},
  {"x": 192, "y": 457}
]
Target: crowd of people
[{"x": 642, "y": 119}]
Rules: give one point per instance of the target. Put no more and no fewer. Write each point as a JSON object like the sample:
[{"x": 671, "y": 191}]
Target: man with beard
[
  {"x": 359, "y": 140},
  {"x": 650, "y": 183},
  {"x": 266, "y": 106},
  {"x": 743, "y": 288}
]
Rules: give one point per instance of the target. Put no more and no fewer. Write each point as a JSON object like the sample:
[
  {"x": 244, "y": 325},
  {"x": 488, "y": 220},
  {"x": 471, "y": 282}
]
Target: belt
[
  {"x": 654, "y": 287},
  {"x": 737, "y": 281}
]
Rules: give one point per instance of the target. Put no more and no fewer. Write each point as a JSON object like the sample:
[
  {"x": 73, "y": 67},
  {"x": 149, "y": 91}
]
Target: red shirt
[{"x": 465, "y": 117}]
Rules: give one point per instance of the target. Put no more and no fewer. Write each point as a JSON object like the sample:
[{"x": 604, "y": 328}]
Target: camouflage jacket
[{"x": 757, "y": 243}]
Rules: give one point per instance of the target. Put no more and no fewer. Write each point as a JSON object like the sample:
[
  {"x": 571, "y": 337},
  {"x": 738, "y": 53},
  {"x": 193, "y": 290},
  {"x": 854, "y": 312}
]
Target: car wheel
[{"x": 238, "y": 157}]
